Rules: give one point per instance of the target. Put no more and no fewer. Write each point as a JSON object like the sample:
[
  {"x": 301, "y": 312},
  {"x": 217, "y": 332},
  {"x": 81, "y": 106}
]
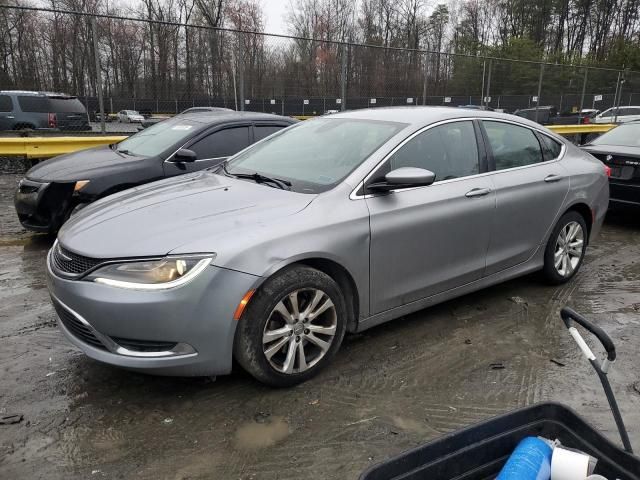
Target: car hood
[
  {"x": 160, "y": 217},
  {"x": 81, "y": 165},
  {"x": 613, "y": 149}
]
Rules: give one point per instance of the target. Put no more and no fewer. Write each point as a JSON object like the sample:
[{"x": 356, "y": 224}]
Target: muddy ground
[{"x": 389, "y": 389}]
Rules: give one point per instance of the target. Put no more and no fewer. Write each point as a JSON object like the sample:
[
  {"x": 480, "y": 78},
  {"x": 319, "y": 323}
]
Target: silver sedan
[{"x": 330, "y": 226}]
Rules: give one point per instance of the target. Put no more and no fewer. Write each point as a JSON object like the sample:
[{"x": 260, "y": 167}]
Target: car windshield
[
  {"x": 317, "y": 154},
  {"x": 625, "y": 135},
  {"x": 159, "y": 137}
]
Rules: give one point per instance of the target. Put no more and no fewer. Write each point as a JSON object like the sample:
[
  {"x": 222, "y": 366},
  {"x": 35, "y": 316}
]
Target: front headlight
[{"x": 153, "y": 274}]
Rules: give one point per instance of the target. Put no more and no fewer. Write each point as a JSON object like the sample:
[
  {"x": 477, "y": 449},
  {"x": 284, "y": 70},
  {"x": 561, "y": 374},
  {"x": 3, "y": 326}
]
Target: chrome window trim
[
  {"x": 214, "y": 130},
  {"x": 354, "y": 195}
]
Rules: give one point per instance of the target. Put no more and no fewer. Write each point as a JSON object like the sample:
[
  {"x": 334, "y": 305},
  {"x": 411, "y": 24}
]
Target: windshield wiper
[
  {"x": 126, "y": 152},
  {"x": 258, "y": 177}
]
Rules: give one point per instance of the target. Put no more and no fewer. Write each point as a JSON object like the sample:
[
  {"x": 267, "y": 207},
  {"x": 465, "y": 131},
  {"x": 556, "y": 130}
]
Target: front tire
[
  {"x": 292, "y": 327},
  {"x": 565, "y": 249}
]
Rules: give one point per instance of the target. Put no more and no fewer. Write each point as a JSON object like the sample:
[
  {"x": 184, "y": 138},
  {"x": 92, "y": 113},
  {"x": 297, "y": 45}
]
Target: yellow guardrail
[
  {"x": 582, "y": 128},
  {"x": 45, "y": 147}
]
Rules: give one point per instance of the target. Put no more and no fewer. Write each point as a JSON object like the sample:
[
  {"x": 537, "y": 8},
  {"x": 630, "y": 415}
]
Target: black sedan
[
  {"x": 619, "y": 149},
  {"x": 54, "y": 189}
]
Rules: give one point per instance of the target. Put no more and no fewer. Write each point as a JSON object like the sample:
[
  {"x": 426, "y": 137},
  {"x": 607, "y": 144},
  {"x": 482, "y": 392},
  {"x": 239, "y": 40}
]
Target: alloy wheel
[
  {"x": 569, "y": 249},
  {"x": 299, "y": 331}
]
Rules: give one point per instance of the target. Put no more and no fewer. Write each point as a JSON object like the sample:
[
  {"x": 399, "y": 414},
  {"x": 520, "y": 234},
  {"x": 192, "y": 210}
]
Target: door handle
[
  {"x": 478, "y": 192},
  {"x": 552, "y": 178}
]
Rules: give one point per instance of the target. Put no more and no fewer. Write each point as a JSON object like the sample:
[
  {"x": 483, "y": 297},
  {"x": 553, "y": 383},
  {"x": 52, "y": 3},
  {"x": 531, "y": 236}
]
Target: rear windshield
[
  {"x": 162, "y": 136},
  {"x": 624, "y": 135},
  {"x": 50, "y": 104},
  {"x": 66, "y": 105}
]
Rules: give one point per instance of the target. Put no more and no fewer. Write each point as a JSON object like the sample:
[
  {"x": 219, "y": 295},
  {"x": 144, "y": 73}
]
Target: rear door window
[
  {"x": 222, "y": 143},
  {"x": 512, "y": 146},
  {"x": 263, "y": 131},
  {"x": 6, "y": 105},
  {"x": 449, "y": 151},
  {"x": 33, "y": 104}
]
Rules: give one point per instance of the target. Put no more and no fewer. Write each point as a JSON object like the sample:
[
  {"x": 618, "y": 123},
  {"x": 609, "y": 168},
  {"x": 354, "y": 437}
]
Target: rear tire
[
  {"x": 565, "y": 249},
  {"x": 292, "y": 327}
]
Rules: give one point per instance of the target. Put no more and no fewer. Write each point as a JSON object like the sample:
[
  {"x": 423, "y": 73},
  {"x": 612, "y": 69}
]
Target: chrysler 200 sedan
[{"x": 334, "y": 225}]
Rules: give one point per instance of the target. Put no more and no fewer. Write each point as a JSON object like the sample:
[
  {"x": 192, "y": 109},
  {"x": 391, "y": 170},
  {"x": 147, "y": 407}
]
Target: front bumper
[
  {"x": 195, "y": 321},
  {"x": 41, "y": 206}
]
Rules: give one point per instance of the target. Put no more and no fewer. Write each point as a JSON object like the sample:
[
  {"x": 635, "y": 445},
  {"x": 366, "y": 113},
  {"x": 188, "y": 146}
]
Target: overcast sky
[{"x": 275, "y": 11}]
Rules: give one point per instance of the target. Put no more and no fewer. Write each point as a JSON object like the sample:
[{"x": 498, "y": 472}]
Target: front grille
[
  {"x": 144, "y": 345},
  {"x": 76, "y": 327},
  {"x": 71, "y": 263}
]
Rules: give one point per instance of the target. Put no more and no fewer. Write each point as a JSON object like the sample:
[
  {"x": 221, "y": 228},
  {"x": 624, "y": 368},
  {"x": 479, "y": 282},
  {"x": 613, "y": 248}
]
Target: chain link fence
[{"x": 162, "y": 68}]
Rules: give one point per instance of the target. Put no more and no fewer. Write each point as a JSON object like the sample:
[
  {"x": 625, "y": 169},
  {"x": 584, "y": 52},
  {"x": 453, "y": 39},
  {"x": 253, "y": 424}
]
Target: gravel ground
[{"x": 389, "y": 389}]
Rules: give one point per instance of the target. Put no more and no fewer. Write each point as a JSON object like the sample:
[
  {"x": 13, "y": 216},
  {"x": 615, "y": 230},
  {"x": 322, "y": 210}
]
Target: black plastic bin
[{"x": 479, "y": 451}]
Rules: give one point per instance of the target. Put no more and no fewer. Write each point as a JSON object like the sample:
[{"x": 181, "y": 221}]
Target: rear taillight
[
  {"x": 586, "y": 120},
  {"x": 53, "y": 120},
  {"x": 607, "y": 170}
]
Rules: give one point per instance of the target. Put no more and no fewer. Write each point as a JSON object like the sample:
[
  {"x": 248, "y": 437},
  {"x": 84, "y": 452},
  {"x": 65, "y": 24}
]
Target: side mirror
[
  {"x": 404, "y": 177},
  {"x": 185, "y": 155}
]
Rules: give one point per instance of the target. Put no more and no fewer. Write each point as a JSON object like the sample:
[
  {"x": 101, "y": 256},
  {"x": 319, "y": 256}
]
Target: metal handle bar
[{"x": 568, "y": 316}]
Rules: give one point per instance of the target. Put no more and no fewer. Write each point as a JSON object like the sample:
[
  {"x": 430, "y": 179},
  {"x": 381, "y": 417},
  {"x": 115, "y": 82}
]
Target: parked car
[
  {"x": 21, "y": 110},
  {"x": 108, "y": 117},
  {"x": 476, "y": 107},
  {"x": 336, "y": 224},
  {"x": 619, "y": 149},
  {"x": 548, "y": 115},
  {"x": 152, "y": 120},
  {"x": 619, "y": 115},
  {"x": 207, "y": 109},
  {"x": 130, "y": 116},
  {"x": 53, "y": 189}
]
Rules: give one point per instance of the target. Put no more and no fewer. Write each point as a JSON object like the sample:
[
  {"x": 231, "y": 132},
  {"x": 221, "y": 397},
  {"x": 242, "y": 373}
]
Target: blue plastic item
[{"x": 531, "y": 460}]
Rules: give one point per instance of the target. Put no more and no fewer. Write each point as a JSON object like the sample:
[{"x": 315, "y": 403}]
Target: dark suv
[{"x": 20, "y": 110}]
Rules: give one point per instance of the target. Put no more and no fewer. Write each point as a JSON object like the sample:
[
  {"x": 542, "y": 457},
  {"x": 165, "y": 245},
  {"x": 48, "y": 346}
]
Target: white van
[{"x": 625, "y": 114}]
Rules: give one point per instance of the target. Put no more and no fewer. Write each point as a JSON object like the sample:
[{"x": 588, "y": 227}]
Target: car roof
[
  {"x": 231, "y": 116},
  {"x": 40, "y": 94},
  {"x": 426, "y": 115}
]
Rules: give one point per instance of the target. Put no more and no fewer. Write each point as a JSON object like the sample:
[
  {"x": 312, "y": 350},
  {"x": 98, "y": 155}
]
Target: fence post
[
  {"x": 486, "y": 104},
  {"x": 615, "y": 98},
  {"x": 94, "y": 30},
  {"x": 539, "y": 89},
  {"x": 240, "y": 67},
  {"x": 424, "y": 84},
  {"x": 584, "y": 89},
  {"x": 484, "y": 68},
  {"x": 343, "y": 77}
]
